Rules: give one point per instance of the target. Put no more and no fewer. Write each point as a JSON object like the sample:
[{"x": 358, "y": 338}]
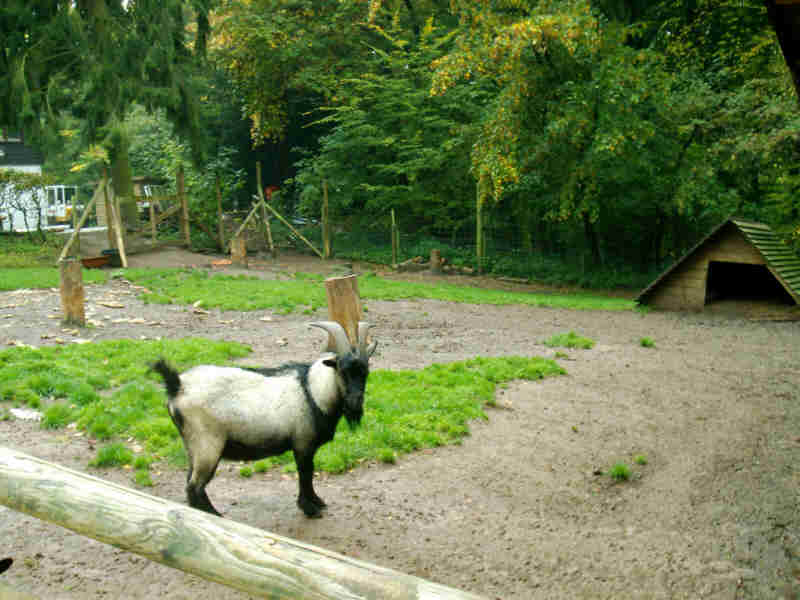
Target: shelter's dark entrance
[{"x": 740, "y": 281}]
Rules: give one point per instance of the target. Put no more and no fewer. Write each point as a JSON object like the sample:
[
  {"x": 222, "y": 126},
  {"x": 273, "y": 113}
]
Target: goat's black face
[{"x": 354, "y": 369}]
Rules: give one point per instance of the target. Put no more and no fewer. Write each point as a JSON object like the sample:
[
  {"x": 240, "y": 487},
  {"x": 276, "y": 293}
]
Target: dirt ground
[{"x": 520, "y": 510}]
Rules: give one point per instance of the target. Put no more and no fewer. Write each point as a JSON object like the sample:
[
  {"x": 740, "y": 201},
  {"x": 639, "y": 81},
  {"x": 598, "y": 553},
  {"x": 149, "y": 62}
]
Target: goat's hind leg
[
  {"x": 307, "y": 500},
  {"x": 201, "y": 471}
]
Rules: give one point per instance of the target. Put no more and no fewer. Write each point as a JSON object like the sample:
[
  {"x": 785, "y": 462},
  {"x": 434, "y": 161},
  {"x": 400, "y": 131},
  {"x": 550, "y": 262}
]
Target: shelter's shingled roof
[
  {"x": 17, "y": 154},
  {"x": 780, "y": 258}
]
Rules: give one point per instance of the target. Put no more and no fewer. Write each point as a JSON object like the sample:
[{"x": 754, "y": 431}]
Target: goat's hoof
[{"x": 310, "y": 509}]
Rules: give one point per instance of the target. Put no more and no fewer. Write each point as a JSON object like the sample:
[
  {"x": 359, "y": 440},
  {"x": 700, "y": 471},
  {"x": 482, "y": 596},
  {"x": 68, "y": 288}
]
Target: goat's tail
[{"x": 171, "y": 379}]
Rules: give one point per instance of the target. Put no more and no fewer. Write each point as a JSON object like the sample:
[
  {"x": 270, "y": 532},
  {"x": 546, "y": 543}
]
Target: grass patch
[
  {"x": 22, "y": 250},
  {"x": 246, "y": 472},
  {"x": 640, "y": 459},
  {"x": 410, "y": 410},
  {"x": 620, "y": 472},
  {"x": 142, "y": 478},
  {"x": 41, "y": 277},
  {"x": 107, "y": 388},
  {"x": 112, "y": 455},
  {"x": 647, "y": 342},
  {"x": 569, "y": 340},
  {"x": 306, "y": 292},
  {"x": 404, "y": 410}
]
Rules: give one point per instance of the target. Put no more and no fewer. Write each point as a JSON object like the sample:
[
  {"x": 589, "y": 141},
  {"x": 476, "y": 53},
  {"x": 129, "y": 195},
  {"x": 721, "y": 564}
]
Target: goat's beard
[{"x": 353, "y": 412}]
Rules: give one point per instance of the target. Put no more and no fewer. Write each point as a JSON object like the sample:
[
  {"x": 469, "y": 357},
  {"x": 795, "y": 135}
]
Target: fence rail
[{"x": 249, "y": 559}]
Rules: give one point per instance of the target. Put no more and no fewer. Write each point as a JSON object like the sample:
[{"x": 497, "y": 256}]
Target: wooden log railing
[{"x": 249, "y": 559}]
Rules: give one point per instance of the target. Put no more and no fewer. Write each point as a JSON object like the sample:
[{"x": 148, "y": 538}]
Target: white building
[{"x": 51, "y": 209}]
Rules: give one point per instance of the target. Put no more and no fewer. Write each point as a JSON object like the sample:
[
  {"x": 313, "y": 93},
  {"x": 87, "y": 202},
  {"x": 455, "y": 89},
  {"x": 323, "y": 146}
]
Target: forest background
[{"x": 596, "y": 140}]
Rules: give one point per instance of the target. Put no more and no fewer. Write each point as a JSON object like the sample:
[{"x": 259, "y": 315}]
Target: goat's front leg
[{"x": 307, "y": 500}]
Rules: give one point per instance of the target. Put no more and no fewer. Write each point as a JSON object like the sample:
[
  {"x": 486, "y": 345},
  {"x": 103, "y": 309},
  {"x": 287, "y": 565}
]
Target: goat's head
[{"x": 351, "y": 363}]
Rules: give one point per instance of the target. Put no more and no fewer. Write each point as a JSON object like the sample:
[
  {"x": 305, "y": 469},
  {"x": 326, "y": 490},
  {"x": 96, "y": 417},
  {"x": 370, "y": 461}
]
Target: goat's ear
[{"x": 330, "y": 362}]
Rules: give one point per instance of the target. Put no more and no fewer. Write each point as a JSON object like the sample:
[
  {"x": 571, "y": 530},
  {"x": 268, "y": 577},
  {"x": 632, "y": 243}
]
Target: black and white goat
[{"x": 252, "y": 413}]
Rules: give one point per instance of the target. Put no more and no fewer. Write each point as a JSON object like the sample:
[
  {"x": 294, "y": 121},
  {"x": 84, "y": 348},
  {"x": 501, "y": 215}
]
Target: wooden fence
[{"x": 249, "y": 559}]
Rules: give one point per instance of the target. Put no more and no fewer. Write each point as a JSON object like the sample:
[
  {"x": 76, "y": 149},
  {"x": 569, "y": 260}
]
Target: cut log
[
  {"x": 261, "y": 564},
  {"x": 436, "y": 261},
  {"x": 344, "y": 305},
  {"x": 239, "y": 251},
  {"x": 72, "y": 292}
]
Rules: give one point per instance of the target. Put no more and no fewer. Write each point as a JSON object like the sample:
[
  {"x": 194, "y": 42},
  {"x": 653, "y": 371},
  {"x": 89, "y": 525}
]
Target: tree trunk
[
  {"x": 785, "y": 19},
  {"x": 121, "y": 180},
  {"x": 592, "y": 240}
]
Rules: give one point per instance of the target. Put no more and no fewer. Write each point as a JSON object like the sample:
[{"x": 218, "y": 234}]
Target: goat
[{"x": 253, "y": 413}]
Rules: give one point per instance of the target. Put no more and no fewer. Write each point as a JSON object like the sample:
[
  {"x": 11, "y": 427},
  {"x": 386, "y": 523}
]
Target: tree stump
[
  {"x": 344, "y": 305},
  {"x": 72, "y": 292},
  {"x": 239, "y": 251},
  {"x": 436, "y": 262}
]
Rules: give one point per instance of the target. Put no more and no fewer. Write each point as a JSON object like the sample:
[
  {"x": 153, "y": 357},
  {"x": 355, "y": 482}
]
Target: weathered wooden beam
[
  {"x": 259, "y": 563},
  {"x": 187, "y": 238},
  {"x": 115, "y": 218},
  {"x": 71, "y": 289},
  {"x": 77, "y": 229}
]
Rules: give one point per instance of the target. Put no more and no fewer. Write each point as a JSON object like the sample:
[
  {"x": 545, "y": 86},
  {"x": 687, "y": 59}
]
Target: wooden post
[
  {"x": 344, "y": 305},
  {"x": 239, "y": 251},
  {"x": 292, "y": 229},
  {"x": 267, "y": 229},
  {"x": 118, "y": 234},
  {"x": 72, "y": 292},
  {"x": 395, "y": 240},
  {"x": 109, "y": 220},
  {"x": 153, "y": 229},
  {"x": 436, "y": 261},
  {"x": 326, "y": 224},
  {"x": 187, "y": 238},
  {"x": 479, "y": 249},
  {"x": 75, "y": 219},
  {"x": 259, "y": 563},
  {"x": 77, "y": 231},
  {"x": 220, "y": 224}
]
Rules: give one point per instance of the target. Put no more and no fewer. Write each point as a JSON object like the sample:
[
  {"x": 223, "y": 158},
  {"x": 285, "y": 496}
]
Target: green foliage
[
  {"x": 251, "y": 293},
  {"x": 142, "y": 478},
  {"x": 647, "y": 342},
  {"x": 640, "y": 459},
  {"x": 112, "y": 455},
  {"x": 620, "y": 472},
  {"x": 569, "y": 340},
  {"x": 246, "y": 472},
  {"x": 412, "y": 148}
]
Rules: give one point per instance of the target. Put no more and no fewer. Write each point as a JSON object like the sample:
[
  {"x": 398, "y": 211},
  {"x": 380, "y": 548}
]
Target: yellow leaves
[{"x": 93, "y": 155}]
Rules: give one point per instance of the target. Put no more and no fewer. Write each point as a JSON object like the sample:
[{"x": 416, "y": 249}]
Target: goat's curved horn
[
  {"x": 363, "y": 331},
  {"x": 341, "y": 343}
]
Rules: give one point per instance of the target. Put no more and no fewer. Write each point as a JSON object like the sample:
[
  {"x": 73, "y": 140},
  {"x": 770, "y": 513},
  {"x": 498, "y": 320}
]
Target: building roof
[
  {"x": 17, "y": 154},
  {"x": 779, "y": 257}
]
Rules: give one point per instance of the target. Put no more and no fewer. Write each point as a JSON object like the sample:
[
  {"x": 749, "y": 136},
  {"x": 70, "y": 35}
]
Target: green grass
[
  {"x": 112, "y": 455},
  {"x": 620, "y": 472},
  {"x": 640, "y": 459},
  {"x": 306, "y": 292},
  {"x": 409, "y": 410},
  {"x": 569, "y": 340},
  {"x": 41, "y": 277},
  {"x": 108, "y": 391},
  {"x": 21, "y": 250},
  {"x": 647, "y": 342}
]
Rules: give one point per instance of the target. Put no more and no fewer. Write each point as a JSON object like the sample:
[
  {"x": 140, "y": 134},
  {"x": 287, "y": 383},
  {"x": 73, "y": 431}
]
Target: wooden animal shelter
[{"x": 743, "y": 263}]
